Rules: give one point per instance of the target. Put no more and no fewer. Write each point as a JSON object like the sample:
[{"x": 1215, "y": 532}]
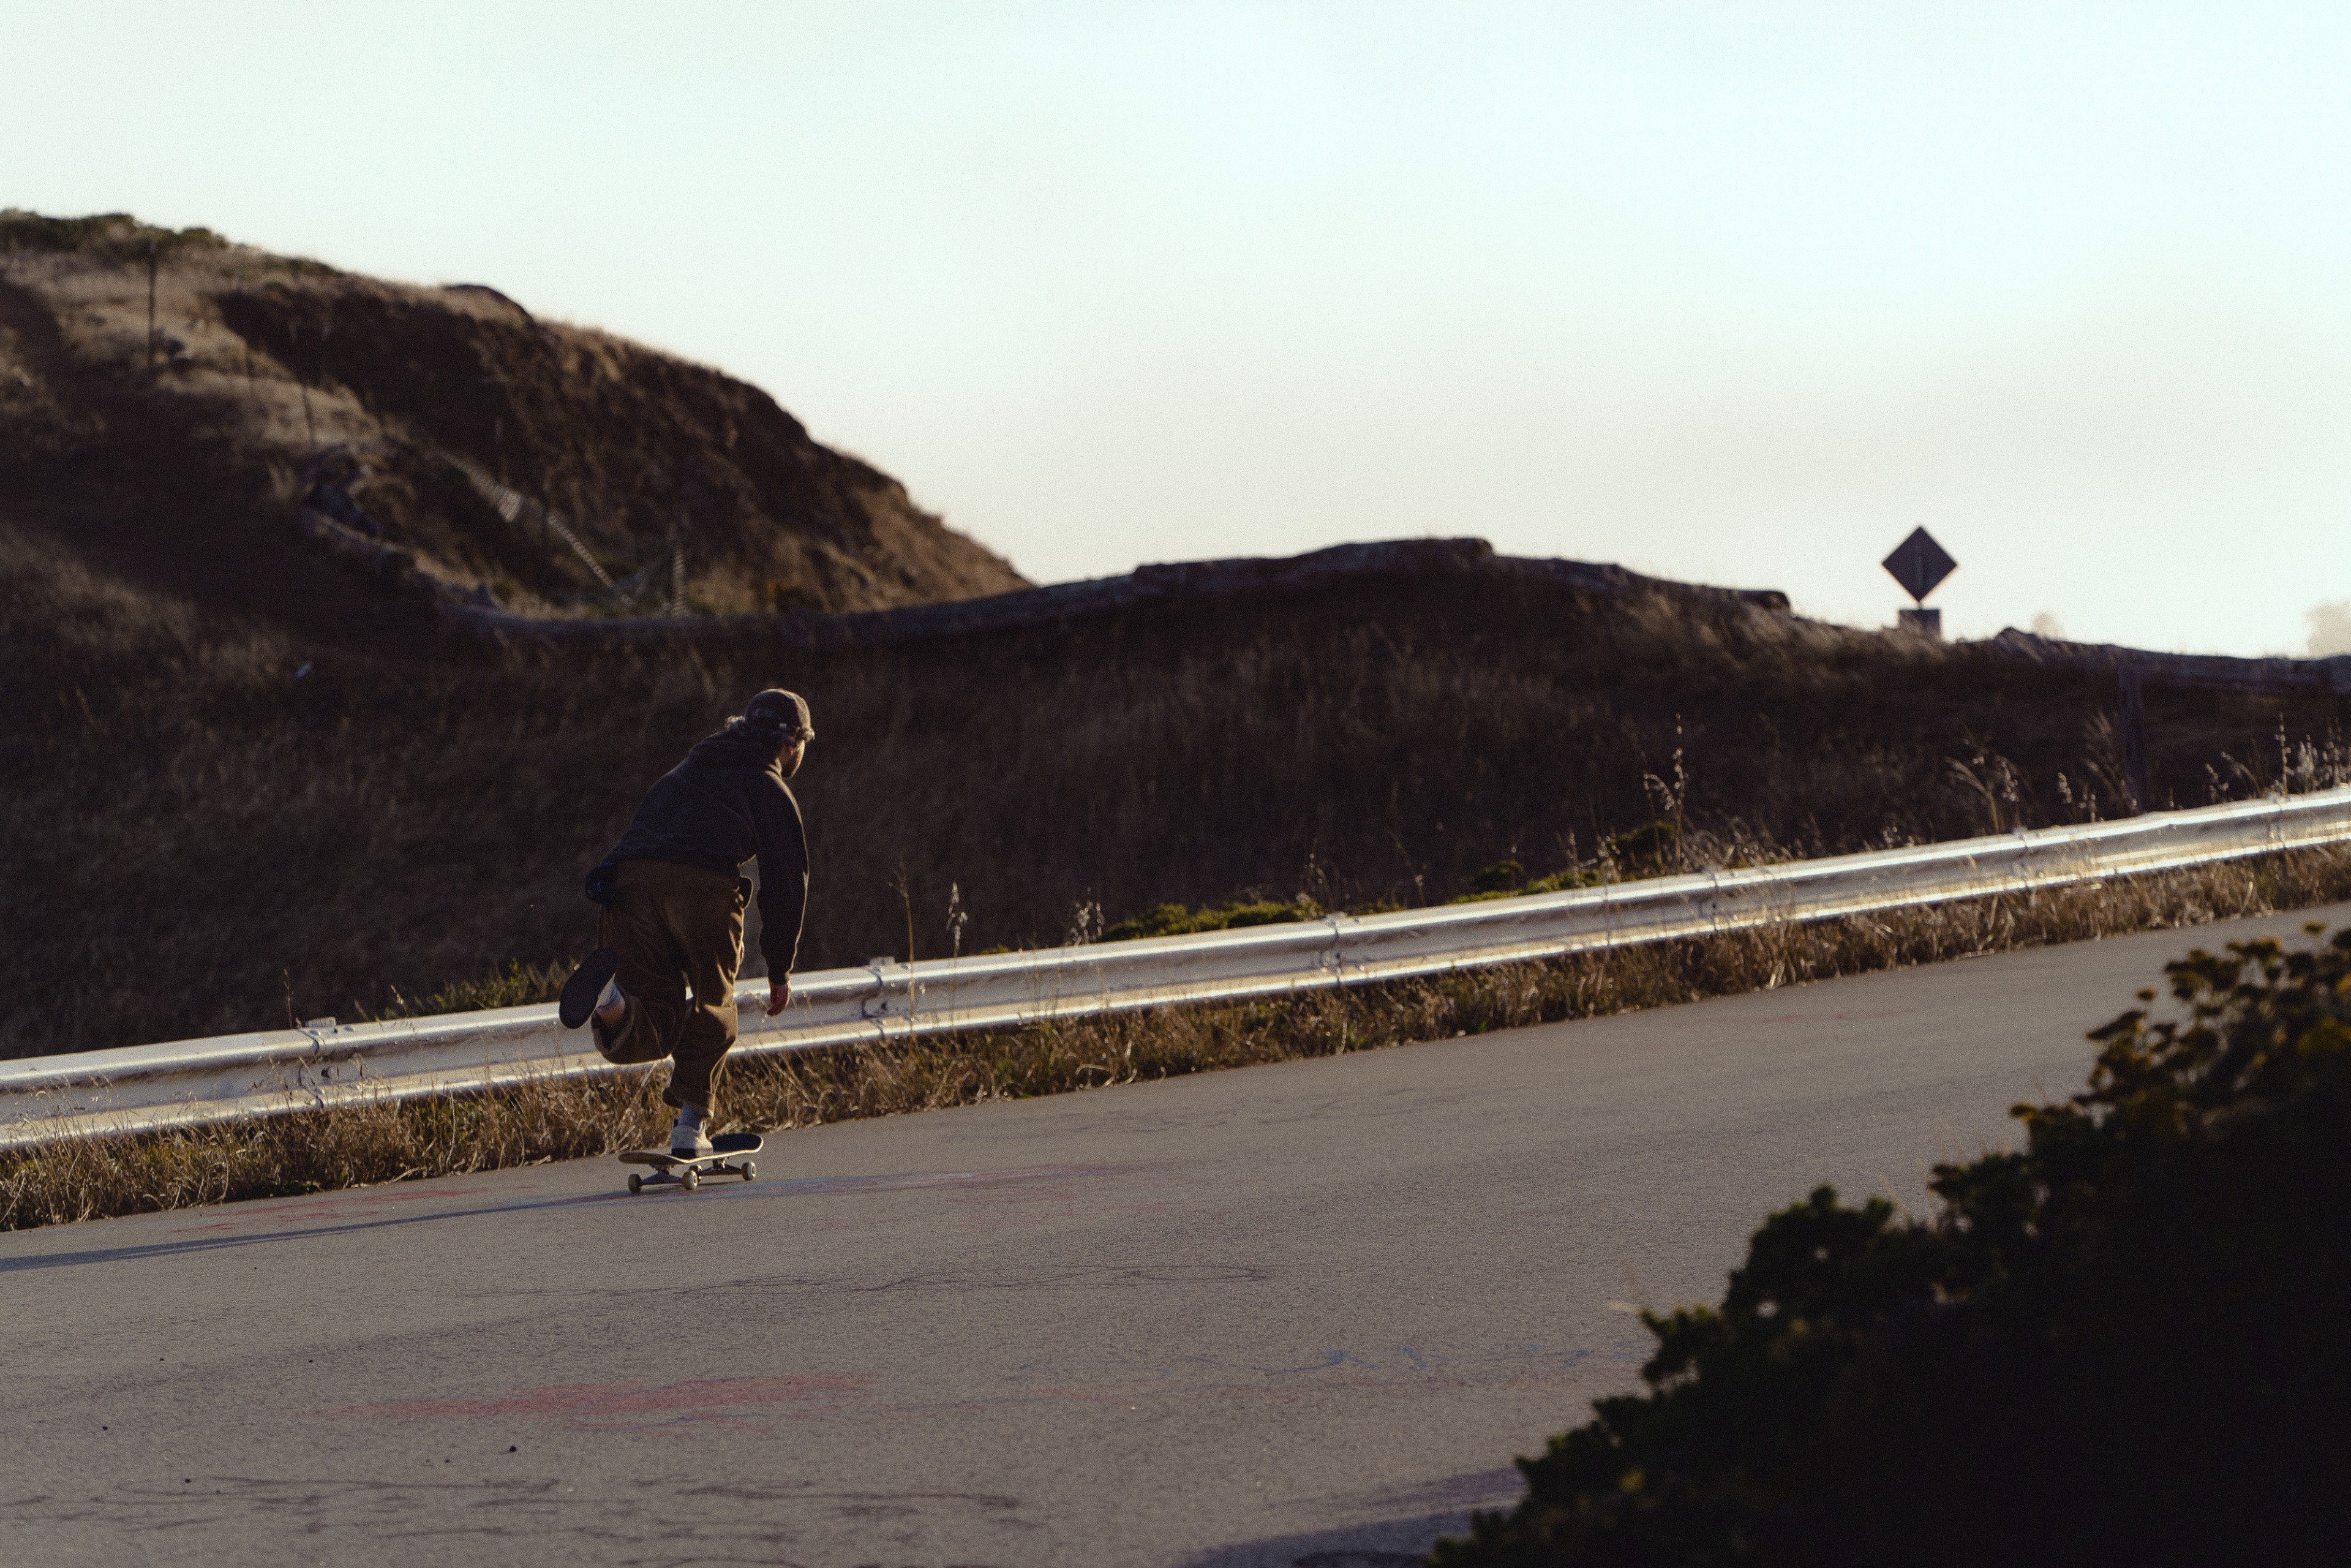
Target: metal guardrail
[
  {"x": 199, "y": 1081},
  {"x": 2326, "y": 676}
]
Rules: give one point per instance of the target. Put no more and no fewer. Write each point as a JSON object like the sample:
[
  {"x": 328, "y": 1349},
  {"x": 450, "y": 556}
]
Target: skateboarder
[{"x": 673, "y": 894}]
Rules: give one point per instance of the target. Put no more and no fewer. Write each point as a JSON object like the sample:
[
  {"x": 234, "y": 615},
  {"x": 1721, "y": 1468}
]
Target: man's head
[{"x": 779, "y": 718}]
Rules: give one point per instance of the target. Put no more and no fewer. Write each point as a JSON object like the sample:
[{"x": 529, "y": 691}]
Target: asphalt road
[{"x": 1302, "y": 1314}]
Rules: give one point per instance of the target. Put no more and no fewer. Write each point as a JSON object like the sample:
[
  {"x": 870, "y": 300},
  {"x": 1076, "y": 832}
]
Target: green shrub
[
  {"x": 1503, "y": 876},
  {"x": 2123, "y": 1344},
  {"x": 1491, "y": 882},
  {"x": 519, "y": 985},
  {"x": 114, "y": 234},
  {"x": 1651, "y": 845},
  {"x": 1175, "y": 920}
]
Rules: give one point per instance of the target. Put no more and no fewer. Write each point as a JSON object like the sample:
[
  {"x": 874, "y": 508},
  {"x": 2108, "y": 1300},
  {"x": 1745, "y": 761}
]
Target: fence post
[
  {"x": 294, "y": 364},
  {"x": 2134, "y": 740}
]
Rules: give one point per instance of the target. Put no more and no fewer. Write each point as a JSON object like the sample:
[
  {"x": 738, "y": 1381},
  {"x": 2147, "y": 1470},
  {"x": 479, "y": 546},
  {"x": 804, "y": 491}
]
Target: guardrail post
[{"x": 200, "y": 1082}]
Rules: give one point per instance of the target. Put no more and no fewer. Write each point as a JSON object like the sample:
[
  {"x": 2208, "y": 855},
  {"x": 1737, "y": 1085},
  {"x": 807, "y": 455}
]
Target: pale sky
[{"x": 1733, "y": 292}]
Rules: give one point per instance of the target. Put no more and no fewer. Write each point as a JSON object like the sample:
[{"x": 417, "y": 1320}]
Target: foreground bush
[{"x": 2124, "y": 1344}]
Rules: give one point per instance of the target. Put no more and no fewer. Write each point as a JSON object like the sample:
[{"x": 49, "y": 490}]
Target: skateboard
[{"x": 687, "y": 1170}]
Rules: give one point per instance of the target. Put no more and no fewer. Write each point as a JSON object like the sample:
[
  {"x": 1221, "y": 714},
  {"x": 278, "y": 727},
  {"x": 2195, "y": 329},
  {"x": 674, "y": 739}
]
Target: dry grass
[
  {"x": 576, "y": 1118},
  {"x": 240, "y": 781},
  {"x": 268, "y": 362},
  {"x": 204, "y": 840}
]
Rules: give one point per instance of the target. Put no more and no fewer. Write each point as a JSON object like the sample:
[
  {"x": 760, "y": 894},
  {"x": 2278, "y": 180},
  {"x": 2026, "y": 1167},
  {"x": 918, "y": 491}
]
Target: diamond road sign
[{"x": 1918, "y": 563}]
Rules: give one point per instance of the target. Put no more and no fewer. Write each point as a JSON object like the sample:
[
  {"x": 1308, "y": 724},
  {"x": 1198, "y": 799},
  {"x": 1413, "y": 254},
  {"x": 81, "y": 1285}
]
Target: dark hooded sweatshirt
[{"x": 724, "y": 803}]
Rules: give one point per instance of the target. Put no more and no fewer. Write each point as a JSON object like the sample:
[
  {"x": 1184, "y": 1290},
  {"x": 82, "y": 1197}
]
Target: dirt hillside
[
  {"x": 253, "y": 772},
  {"x": 214, "y": 826},
  {"x": 276, "y": 406}
]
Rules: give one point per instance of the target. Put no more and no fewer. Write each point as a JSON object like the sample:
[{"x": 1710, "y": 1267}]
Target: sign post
[{"x": 1920, "y": 564}]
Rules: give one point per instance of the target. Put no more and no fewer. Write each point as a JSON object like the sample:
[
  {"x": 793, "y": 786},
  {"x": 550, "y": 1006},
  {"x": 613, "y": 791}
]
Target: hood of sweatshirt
[{"x": 729, "y": 749}]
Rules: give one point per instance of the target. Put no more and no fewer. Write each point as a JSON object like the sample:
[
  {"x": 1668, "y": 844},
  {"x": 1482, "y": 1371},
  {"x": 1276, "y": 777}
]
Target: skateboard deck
[{"x": 729, "y": 1156}]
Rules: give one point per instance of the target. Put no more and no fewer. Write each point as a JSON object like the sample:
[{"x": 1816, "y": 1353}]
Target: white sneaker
[{"x": 686, "y": 1137}]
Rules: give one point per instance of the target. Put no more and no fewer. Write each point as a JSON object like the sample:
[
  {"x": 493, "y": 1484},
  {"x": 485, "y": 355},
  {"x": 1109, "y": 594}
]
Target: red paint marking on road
[
  {"x": 601, "y": 1402},
  {"x": 924, "y": 1181},
  {"x": 1840, "y": 1018},
  {"x": 366, "y": 1201},
  {"x": 695, "y": 1424},
  {"x": 917, "y": 1182},
  {"x": 1033, "y": 1195}
]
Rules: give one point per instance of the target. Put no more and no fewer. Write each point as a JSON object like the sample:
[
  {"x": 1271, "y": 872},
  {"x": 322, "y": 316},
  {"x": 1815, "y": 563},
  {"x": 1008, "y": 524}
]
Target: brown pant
[{"x": 674, "y": 926}]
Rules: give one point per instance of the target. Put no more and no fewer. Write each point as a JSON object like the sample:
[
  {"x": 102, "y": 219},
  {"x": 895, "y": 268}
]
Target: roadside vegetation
[
  {"x": 576, "y": 1118},
  {"x": 220, "y": 820},
  {"x": 2120, "y": 1344},
  {"x": 246, "y": 781},
  {"x": 170, "y": 396}
]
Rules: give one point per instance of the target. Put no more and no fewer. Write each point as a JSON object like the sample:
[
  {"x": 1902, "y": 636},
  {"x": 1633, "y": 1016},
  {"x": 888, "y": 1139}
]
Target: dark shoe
[{"x": 586, "y": 984}]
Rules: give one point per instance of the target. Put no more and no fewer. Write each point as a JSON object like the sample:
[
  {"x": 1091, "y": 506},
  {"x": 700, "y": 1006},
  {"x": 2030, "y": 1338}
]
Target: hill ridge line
[
  {"x": 1019, "y": 609},
  {"x": 1052, "y": 603}
]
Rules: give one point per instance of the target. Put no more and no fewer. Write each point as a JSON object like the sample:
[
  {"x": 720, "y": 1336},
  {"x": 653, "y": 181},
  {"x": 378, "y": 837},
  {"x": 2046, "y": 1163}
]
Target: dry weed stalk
[
  {"x": 282, "y": 808},
  {"x": 572, "y": 1118}
]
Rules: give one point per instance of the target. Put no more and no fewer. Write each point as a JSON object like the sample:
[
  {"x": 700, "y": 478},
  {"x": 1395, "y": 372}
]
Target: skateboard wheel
[
  {"x": 693, "y": 1178},
  {"x": 750, "y": 1171},
  {"x": 636, "y": 1184}
]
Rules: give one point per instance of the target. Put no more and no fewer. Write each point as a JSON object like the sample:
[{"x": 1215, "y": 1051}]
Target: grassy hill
[
  {"x": 215, "y": 822},
  {"x": 247, "y": 777},
  {"x": 173, "y": 402}
]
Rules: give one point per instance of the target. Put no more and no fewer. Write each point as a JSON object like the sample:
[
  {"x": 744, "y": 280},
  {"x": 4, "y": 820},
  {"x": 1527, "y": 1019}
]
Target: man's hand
[{"x": 780, "y": 991}]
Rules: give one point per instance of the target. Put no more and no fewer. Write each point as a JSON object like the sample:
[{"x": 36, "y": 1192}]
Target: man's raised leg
[{"x": 651, "y": 989}]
